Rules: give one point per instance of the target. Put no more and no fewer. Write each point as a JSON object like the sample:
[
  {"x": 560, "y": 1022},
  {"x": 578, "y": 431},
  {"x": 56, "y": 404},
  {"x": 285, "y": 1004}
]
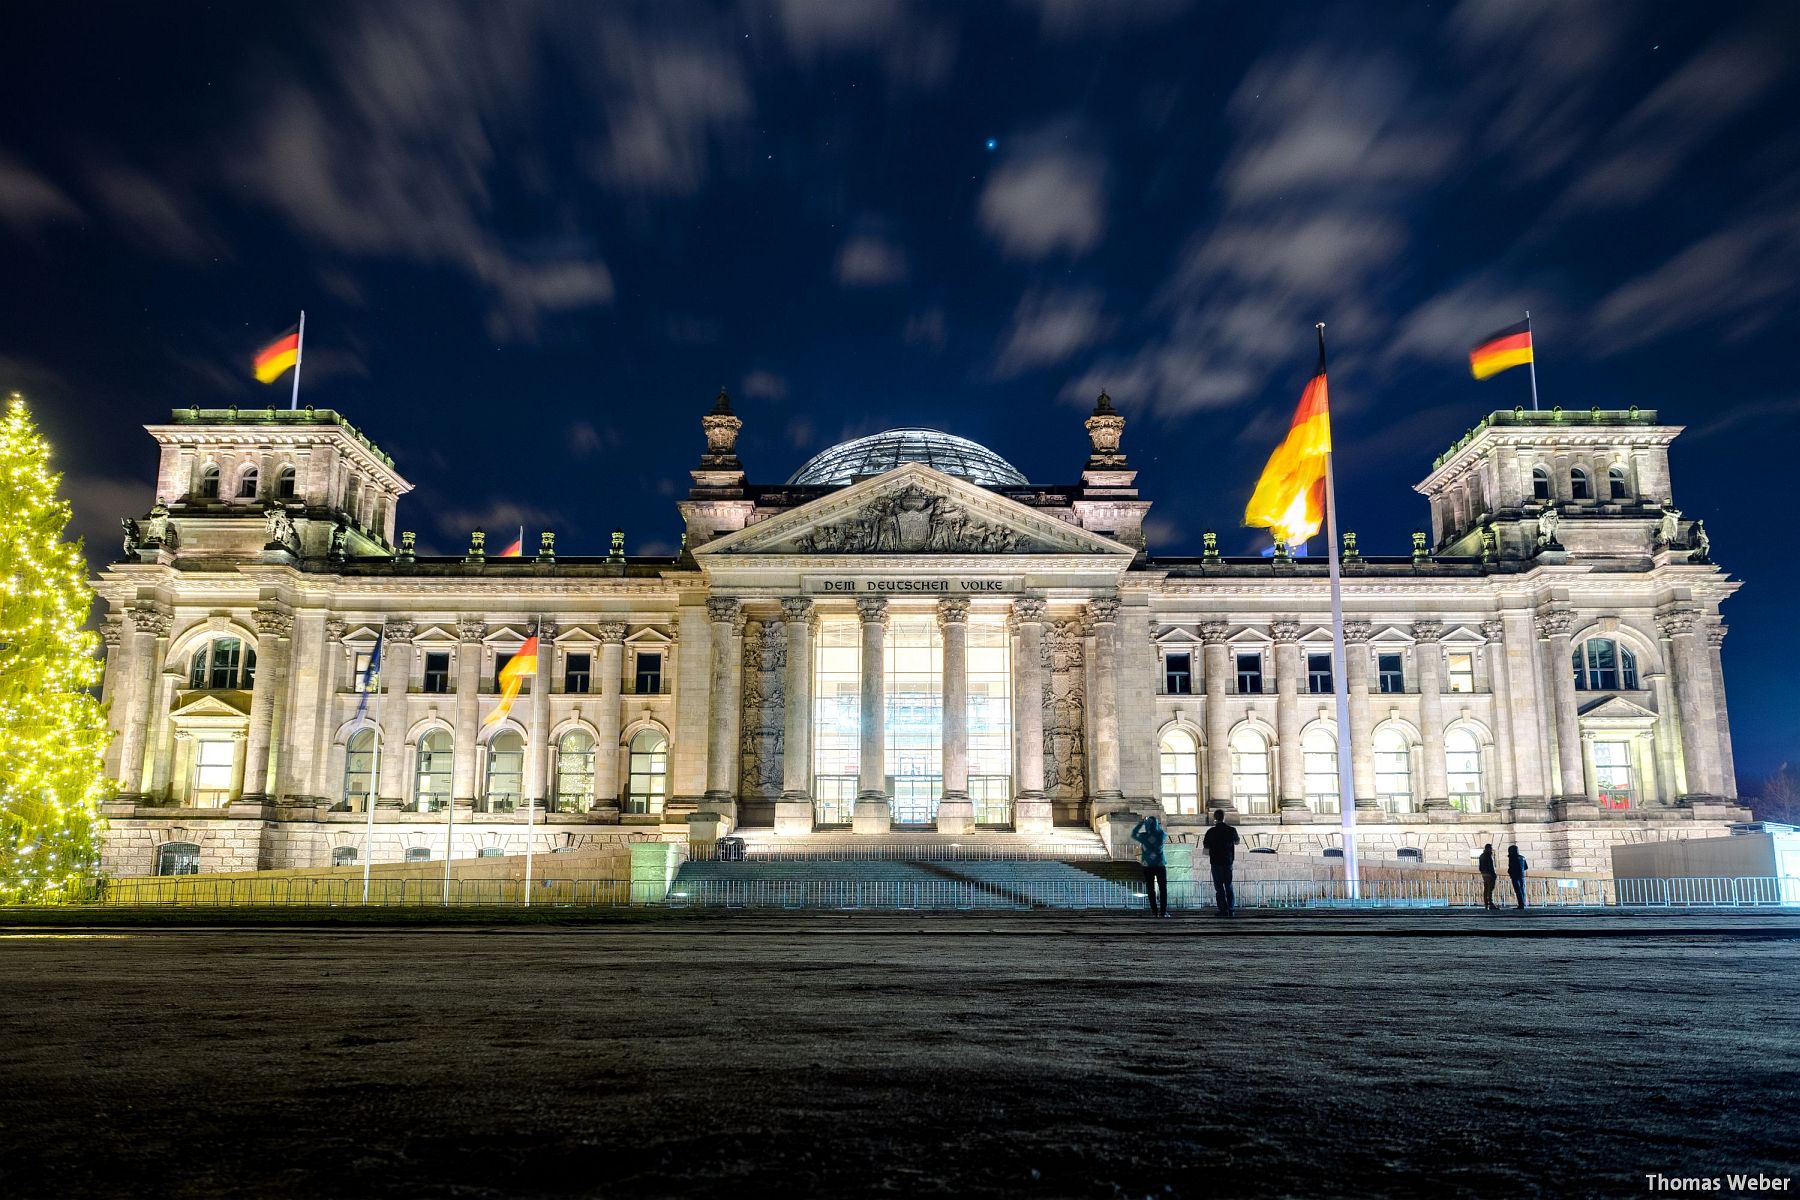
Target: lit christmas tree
[{"x": 52, "y": 730}]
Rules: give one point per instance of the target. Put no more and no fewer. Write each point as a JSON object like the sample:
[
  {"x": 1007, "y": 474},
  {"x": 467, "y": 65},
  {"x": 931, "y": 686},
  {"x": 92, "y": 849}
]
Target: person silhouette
[
  {"x": 1489, "y": 877},
  {"x": 1516, "y": 867},
  {"x": 1150, "y": 836},
  {"x": 1221, "y": 848}
]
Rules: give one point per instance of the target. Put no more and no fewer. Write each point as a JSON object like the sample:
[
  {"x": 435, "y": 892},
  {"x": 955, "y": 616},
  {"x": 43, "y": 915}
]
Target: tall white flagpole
[
  {"x": 299, "y": 354},
  {"x": 1340, "y": 671},
  {"x": 531, "y": 744},
  {"x": 449, "y": 842},
  {"x": 374, "y": 791},
  {"x": 1533, "y": 363}
]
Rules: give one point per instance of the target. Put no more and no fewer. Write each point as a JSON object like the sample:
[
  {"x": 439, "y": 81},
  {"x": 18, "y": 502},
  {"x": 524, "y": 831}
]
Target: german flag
[
  {"x": 1289, "y": 499},
  {"x": 518, "y": 669},
  {"x": 517, "y": 549},
  {"x": 1511, "y": 347},
  {"x": 278, "y": 356}
]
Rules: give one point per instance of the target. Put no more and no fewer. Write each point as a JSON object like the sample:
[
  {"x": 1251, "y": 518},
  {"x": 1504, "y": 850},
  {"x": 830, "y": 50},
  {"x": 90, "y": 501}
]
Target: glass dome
[{"x": 862, "y": 457}]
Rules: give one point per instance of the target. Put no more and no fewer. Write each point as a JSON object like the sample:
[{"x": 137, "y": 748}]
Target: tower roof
[{"x": 863, "y": 457}]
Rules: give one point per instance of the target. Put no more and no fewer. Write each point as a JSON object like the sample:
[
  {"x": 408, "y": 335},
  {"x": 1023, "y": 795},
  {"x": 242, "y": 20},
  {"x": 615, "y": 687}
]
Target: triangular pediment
[
  {"x": 913, "y": 509},
  {"x": 231, "y": 705},
  {"x": 1615, "y": 708}
]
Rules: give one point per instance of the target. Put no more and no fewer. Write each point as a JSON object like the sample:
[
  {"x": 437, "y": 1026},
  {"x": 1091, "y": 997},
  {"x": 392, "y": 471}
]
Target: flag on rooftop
[
  {"x": 517, "y": 549},
  {"x": 278, "y": 355},
  {"x": 1289, "y": 499},
  {"x": 1509, "y": 347}
]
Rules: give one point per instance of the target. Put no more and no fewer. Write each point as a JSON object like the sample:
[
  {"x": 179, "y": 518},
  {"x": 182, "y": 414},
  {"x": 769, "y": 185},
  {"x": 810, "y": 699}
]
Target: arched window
[
  {"x": 647, "y": 782},
  {"x": 223, "y": 662},
  {"x": 1462, "y": 769},
  {"x": 1319, "y": 765},
  {"x": 359, "y": 769},
  {"x": 1540, "y": 483},
  {"x": 1250, "y": 770},
  {"x": 1603, "y": 665},
  {"x": 284, "y": 483},
  {"x": 247, "y": 483},
  {"x": 1580, "y": 486},
  {"x": 505, "y": 771},
  {"x": 1617, "y": 485},
  {"x": 575, "y": 771},
  {"x": 178, "y": 858},
  {"x": 1393, "y": 770},
  {"x": 209, "y": 482},
  {"x": 431, "y": 781},
  {"x": 343, "y": 856},
  {"x": 1180, "y": 773}
]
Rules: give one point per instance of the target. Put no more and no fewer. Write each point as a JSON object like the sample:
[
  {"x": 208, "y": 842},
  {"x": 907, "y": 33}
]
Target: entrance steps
[{"x": 1059, "y": 845}]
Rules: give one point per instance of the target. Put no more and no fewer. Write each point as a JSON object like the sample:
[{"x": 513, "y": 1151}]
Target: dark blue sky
[{"x": 533, "y": 241}]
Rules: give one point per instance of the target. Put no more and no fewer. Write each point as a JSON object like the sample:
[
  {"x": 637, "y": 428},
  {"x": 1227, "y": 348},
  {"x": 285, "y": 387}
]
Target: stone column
[
  {"x": 794, "y": 810},
  {"x": 468, "y": 712},
  {"x": 1429, "y": 658},
  {"x": 323, "y": 782},
  {"x": 721, "y": 747},
  {"x": 396, "y": 681},
  {"x": 1216, "y": 660},
  {"x": 1103, "y": 616},
  {"x": 167, "y": 684},
  {"x": 274, "y": 627},
  {"x": 1527, "y": 720},
  {"x": 874, "y": 810},
  {"x": 1361, "y": 736},
  {"x": 1554, "y": 626},
  {"x": 1031, "y": 809},
  {"x": 956, "y": 812},
  {"x": 1692, "y": 669},
  {"x": 538, "y": 777},
  {"x": 112, "y": 635},
  {"x": 1500, "y": 685},
  {"x": 607, "y": 719},
  {"x": 1289, "y": 671},
  {"x": 149, "y": 642},
  {"x": 1715, "y": 639}
]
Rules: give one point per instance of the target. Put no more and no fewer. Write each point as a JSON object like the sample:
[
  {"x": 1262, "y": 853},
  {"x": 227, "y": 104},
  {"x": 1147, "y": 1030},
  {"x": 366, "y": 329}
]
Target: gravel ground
[{"x": 953, "y": 1056}]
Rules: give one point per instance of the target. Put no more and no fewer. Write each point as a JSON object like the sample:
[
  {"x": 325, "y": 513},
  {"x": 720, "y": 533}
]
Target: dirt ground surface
[{"x": 831, "y": 1055}]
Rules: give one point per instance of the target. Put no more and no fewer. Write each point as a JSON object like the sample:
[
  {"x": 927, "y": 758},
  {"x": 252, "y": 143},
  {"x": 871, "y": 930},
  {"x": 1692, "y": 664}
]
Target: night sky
[{"x": 534, "y": 241}]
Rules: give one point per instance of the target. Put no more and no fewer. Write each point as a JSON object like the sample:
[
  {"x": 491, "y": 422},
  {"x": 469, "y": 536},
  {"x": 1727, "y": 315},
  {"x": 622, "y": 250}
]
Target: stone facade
[{"x": 1542, "y": 669}]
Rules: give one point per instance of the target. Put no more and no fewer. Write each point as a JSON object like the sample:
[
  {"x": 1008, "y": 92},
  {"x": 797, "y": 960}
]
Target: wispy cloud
[
  {"x": 929, "y": 329},
  {"x": 156, "y": 215},
  {"x": 870, "y": 260},
  {"x": 765, "y": 385},
  {"x": 1050, "y": 327},
  {"x": 911, "y": 47},
  {"x": 1047, "y": 196},
  {"x": 28, "y": 199},
  {"x": 1062, "y": 20}
]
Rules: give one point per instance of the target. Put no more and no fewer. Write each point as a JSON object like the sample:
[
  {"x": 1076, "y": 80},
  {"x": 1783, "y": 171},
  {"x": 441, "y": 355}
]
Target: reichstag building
[{"x": 907, "y": 639}]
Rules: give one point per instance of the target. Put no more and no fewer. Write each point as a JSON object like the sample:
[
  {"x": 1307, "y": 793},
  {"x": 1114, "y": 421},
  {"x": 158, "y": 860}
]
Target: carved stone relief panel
[
  {"x": 1065, "y": 711},
  {"x": 764, "y": 707},
  {"x": 910, "y": 520}
]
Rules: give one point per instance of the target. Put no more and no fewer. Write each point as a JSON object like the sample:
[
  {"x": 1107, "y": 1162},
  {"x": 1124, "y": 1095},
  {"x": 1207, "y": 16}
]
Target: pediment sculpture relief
[{"x": 910, "y": 520}]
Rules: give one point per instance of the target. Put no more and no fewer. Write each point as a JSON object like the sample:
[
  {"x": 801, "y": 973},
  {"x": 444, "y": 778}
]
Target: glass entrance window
[
  {"x": 647, "y": 777},
  {"x": 914, "y": 724},
  {"x": 505, "y": 771},
  {"x": 1462, "y": 770},
  {"x": 837, "y": 718},
  {"x": 1250, "y": 789},
  {"x": 1612, "y": 774},
  {"x": 1393, "y": 770},
  {"x": 359, "y": 769},
  {"x": 1319, "y": 768},
  {"x": 214, "y": 759},
  {"x": 990, "y": 719},
  {"x": 575, "y": 771},
  {"x": 1180, "y": 773},
  {"x": 431, "y": 781}
]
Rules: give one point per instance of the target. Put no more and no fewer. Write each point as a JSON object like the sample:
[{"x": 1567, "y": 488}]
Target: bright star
[{"x": 993, "y": 143}]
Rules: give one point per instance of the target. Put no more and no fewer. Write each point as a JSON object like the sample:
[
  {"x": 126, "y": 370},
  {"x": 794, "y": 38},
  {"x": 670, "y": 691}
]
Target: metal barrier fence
[
  {"x": 965, "y": 852},
  {"x": 938, "y": 894}
]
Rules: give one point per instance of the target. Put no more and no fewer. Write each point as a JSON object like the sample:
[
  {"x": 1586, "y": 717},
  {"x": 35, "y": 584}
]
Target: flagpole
[
  {"x": 1340, "y": 675},
  {"x": 299, "y": 353},
  {"x": 374, "y": 791},
  {"x": 1533, "y": 363},
  {"x": 449, "y": 843}
]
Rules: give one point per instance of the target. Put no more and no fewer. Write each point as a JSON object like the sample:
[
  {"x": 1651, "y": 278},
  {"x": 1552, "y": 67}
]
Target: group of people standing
[{"x": 1220, "y": 844}]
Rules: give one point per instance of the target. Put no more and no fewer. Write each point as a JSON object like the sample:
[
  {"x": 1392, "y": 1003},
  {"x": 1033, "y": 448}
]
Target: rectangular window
[
  {"x": 1392, "y": 671},
  {"x": 1318, "y": 674},
  {"x": 213, "y": 763},
  {"x": 990, "y": 720},
  {"x": 913, "y": 725},
  {"x": 1462, "y": 671},
  {"x": 1178, "y": 675},
  {"x": 1612, "y": 774},
  {"x": 418, "y": 854},
  {"x": 437, "y": 672},
  {"x": 1249, "y": 674},
  {"x": 647, "y": 679},
  {"x": 360, "y": 678},
  {"x": 837, "y": 718},
  {"x": 577, "y": 673}
]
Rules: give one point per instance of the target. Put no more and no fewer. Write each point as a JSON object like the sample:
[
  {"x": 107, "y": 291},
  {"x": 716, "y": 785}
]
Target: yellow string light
[{"x": 53, "y": 731}]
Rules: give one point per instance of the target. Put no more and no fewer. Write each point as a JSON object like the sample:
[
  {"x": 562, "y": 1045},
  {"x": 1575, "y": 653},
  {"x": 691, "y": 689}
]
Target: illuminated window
[
  {"x": 913, "y": 724},
  {"x": 647, "y": 779},
  {"x": 1461, "y": 670},
  {"x": 343, "y": 856},
  {"x": 359, "y": 769},
  {"x": 1393, "y": 770},
  {"x": 990, "y": 720},
  {"x": 837, "y": 718},
  {"x": 1178, "y": 674},
  {"x": 418, "y": 854},
  {"x": 178, "y": 858},
  {"x": 1462, "y": 769},
  {"x": 575, "y": 771},
  {"x": 222, "y": 663},
  {"x": 364, "y": 677},
  {"x": 1180, "y": 773},
  {"x": 215, "y": 760},
  {"x": 1602, "y": 664},
  {"x": 431, "y": 779},
  {"x": 1319, "y": 765},
  {"x": 1250, "y": 788},
  {"x": 1612, "y": 774},
  {"x": 505, "y": 771}
]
